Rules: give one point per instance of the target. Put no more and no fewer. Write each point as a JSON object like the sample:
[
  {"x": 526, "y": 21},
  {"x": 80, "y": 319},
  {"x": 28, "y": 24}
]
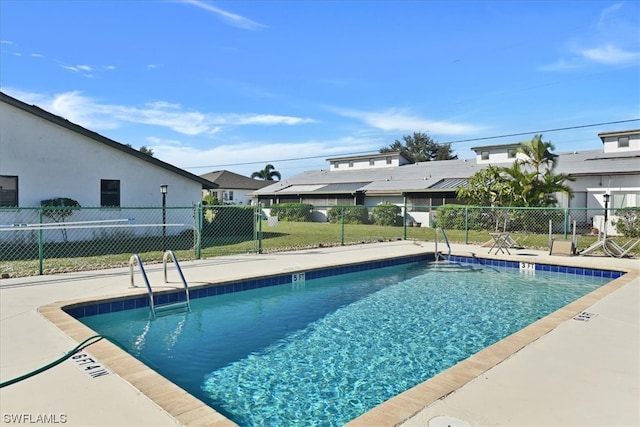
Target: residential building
[
  {"x": 233, "y": 188},
  {"x": 614, "y": 170},
  {"x": 45, "y": 156}
]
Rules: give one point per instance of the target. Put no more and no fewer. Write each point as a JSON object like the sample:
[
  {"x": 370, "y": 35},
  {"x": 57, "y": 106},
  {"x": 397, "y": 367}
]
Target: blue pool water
[{"x": 323, "y": 352}]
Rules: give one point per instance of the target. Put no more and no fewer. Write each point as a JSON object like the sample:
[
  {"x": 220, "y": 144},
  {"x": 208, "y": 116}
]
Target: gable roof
[
  {"x": 39, "y": 112},
  {"x": 234, "y": 181}
]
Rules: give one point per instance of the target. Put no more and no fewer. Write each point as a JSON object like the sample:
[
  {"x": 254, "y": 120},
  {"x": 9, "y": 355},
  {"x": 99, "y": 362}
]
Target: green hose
[{"x": 55, "y": 362}]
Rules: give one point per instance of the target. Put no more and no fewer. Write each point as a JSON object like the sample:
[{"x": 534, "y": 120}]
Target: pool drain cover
[
  {"x": 446, "y": 421},
  {"x": 584, "y": 316}
]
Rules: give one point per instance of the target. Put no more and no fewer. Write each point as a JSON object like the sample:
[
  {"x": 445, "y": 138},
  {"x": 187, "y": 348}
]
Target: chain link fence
[{"x": 53, "y": 240}]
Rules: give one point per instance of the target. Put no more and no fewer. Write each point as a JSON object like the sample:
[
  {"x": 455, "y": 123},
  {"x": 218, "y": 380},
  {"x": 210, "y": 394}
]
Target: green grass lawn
[{"x": 285, "y": 236}]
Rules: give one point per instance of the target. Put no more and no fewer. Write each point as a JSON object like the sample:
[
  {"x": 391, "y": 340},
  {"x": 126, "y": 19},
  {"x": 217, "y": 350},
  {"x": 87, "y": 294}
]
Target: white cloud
[
  {"x": 231, "y": 18},
  {"x": 94, "y": 115},
  {"x": 610, "y": 54},
  {"x": 561, "y": 65},
  {"x": 403, "y": 120},
  {"x": 249, "y": 156}
]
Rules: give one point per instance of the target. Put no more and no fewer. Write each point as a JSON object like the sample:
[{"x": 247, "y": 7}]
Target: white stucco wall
[
  {"x": 53, "y": 161},
  {"x": 611, "y": 144}
]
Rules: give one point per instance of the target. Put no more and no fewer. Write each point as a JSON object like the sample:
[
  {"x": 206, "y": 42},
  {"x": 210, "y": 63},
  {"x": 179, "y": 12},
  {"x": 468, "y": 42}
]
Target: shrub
[
  {"x": 295, "y": 212},
  {"x": 58, "y": 209},
  {"x": 352, "y": 214},
  {"x": 628, "y": 222},
  {"x": 387, "y": 214},
  {"x": 227, "y": 221}
]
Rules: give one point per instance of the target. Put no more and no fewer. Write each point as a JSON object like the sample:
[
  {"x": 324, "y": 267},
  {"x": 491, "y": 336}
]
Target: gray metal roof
[{"x": 442, "y": 175}]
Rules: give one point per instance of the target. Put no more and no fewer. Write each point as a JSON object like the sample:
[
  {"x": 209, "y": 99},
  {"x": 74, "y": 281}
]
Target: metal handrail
[
  {"x": 132, "y": 260},
  {"x": 175, "y": 261},
  {"x": 446, "y": 240}
]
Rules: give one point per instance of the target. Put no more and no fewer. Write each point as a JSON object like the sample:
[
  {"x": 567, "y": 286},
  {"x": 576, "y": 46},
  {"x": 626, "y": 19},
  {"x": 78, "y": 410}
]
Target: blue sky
[{"x": 212, "y": 85}]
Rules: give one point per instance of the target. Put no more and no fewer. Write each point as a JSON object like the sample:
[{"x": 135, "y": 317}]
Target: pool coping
[{"x": 190, "y": 411}]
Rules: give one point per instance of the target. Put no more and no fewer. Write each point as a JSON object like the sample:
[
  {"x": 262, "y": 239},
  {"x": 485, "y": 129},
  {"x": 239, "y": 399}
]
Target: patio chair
[
  {"x": 562, "y": 247},
  {"x": 613, "y": 249}
]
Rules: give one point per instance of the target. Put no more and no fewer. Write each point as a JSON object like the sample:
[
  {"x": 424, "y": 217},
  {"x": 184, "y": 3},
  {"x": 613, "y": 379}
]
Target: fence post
[
  {"x": 404, "y": 221},
  {"x": 40, "y": 244},
  {"x": 342, "y": 209},
  {"x": 198, "y": 230},
  {"x": 566, "y": 222},
  {"x": 259, "y": 218},
  {"x": 466, "y": 225}
]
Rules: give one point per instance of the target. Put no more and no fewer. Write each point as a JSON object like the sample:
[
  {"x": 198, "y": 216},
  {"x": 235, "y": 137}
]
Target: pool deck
[{"x": 558, "y": 371}]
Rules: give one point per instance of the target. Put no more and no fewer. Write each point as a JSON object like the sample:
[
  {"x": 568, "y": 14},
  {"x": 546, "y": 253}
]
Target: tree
[
  {"x": 58, "y": 209},
  {"x": 144, "y": 149},
  {"x": 531, "y": 182},
  {"x": 487, "y": 188},
  {"x": 420, "y": 148},
  {"x": 267, "y": 174}
]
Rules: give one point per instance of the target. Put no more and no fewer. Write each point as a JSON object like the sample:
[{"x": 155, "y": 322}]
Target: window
[
  {"x": 623, "y": 142},
  {"x": 109, "y": 192},
  {"x": 484, "y": 155},
  {"x": 227, "y": 196},
  {"x": 511, "y": 153},
  {"x": 350, "y": 163},
  {"x": 625, "y": 200},
  {"x": 372, "y": 162},
  {"x": 336, "y": 165},
  {"x": 388, "y": 160},
  {"x": 8, "y": 190}
]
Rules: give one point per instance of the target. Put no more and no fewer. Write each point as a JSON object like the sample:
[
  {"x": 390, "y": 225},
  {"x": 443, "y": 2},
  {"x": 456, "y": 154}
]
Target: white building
[
  {"x": 373, "y": 179},
  {"x": 43, "y": 156}
]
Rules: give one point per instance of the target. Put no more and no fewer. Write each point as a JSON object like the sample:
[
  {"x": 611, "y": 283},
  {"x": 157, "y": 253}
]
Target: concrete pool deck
[{"x": 558, "y": 371}]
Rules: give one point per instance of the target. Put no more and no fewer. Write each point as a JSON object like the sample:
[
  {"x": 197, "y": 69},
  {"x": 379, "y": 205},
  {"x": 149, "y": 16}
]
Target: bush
[
  {"x": 227, "y": 221},
  {"x": 387, "y": 214},
  {"x": 628, "y": 222},
  {"x": 352, "y": 214},
  {"x": 295, "y": 212},
  {"x": 58, "y": 209}
]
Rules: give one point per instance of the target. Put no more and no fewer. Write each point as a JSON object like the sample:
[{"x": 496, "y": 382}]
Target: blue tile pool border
[{"x": 91, "y": 308}]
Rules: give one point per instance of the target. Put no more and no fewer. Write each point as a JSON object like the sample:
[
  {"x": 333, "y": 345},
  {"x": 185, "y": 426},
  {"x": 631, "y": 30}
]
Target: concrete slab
[{"x": 573, "y": 372}]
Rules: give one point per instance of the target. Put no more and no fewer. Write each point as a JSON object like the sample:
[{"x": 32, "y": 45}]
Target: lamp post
[
  {"x": 606, "y": 208},
  {"x": 163, "y": 190}
]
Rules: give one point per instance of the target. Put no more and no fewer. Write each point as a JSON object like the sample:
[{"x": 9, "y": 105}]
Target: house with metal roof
[
  {"x": 233, "y": 188},
  {"x": 422, "y": 187}
]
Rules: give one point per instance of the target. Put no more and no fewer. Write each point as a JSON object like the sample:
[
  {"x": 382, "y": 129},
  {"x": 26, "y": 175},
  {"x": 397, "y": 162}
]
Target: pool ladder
[
  {"x": 440, "y": 230},
  {"x": 161, "y": 308}
]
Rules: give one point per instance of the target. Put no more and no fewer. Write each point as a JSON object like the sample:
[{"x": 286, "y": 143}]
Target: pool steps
[{"x": 167, "y": 308}]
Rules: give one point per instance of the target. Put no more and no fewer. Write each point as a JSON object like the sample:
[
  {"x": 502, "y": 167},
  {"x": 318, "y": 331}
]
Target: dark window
[
  {"x": 388, "y": 160},
  {"x": 109, "y": 192},
  {"x": 484, "y": 155},
  {"x": 623, "y": 142},
  {"x": 8, "y": 190},
  {"x": 372, "y": 162},
  {"x": 512, "y": 153},
  {"x": 350, "y": 163}
]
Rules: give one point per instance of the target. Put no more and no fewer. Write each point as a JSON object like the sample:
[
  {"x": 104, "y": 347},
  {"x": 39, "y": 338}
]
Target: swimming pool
[{"x": 324, "y": 351}]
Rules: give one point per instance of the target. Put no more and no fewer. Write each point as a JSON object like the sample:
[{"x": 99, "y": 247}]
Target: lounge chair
[
  {"x": 613, "y": 249},
  {"x": 562, "y": 247}
]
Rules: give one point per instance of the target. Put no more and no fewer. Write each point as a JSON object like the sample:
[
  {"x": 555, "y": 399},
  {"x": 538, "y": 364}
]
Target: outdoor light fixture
[{"x": 163, "y": 188}]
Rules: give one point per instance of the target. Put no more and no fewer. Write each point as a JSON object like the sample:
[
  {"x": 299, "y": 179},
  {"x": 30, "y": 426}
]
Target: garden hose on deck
[{"x": 94, "y": 339}]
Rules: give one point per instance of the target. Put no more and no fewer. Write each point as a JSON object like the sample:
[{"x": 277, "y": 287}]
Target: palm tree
[
  {"x": 538, "y": 154},
  {"x": 267, "y": 174}
]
